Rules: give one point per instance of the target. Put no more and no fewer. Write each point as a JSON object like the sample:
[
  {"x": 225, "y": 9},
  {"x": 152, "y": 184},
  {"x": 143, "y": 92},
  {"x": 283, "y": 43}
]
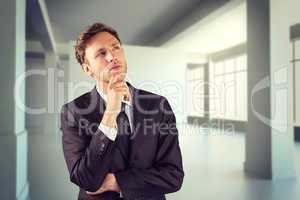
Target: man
[{"x": 119, "y": 142}]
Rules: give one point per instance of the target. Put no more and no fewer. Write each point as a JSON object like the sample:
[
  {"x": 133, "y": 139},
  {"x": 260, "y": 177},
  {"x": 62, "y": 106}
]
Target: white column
[
  {"x": 52, "y": 115},
  {"x": 269, "y": 139},
  {"x": 13, "y": 135}
]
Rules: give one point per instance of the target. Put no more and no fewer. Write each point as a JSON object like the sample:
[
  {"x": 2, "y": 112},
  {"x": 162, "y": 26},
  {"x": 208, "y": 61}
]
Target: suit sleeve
[
  {"x": 166, "y": 174},
  {"x": 87, "y": 159}
]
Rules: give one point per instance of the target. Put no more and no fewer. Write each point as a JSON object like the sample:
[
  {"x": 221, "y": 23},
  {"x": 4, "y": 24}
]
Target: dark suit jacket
[{"x": 154, "y": 166}]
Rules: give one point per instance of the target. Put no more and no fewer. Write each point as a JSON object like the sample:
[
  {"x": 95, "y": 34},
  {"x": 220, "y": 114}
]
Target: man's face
[{"x": 104, "y": 56}]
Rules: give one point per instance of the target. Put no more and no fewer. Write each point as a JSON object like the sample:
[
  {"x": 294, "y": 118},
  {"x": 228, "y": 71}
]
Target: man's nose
[{"x": 109, "y": 56}]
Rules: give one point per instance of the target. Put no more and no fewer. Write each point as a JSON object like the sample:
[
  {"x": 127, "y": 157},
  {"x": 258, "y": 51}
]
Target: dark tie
[{"x": 121, "y": 155}]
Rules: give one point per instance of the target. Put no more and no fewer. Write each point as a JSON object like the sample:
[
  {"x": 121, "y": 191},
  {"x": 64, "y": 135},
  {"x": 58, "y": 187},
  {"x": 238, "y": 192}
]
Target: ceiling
[{"x": 138, "y": 22}]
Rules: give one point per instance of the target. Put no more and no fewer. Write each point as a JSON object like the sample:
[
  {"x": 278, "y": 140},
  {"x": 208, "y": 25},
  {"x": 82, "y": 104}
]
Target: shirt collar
[{"x": 105, "y": 96}]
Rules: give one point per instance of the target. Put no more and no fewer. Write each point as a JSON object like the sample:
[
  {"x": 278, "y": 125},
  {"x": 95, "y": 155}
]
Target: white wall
[
  {"x": 297, "y": 83},
  {"x": 161, "y": 71},
  {"x": 157, "y": 70},
  {"x": 283, "y": 15}
]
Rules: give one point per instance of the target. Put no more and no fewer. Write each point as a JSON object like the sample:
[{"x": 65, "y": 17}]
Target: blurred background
[{"x": 229, "y": 69}]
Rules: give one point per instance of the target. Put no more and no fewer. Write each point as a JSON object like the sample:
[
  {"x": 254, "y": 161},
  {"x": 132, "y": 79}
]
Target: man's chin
[{"x": 121, "y": 74}]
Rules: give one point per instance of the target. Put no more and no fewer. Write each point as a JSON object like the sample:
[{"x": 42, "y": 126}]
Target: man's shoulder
[
  {"x": 151, "y": 99},
  {"x": 146, "y": 92},
  {"x": 150, "y": 96},
  {"x": 79, "y": 102},
  {"x": 146, "y": 95}
]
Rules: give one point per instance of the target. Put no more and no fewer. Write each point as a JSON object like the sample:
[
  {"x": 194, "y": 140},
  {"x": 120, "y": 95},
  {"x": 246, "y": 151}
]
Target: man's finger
[
  {"x": 110, "y": 82},
  {"x": 101, "y": 190},
  {"x": 122, "y": 91}
]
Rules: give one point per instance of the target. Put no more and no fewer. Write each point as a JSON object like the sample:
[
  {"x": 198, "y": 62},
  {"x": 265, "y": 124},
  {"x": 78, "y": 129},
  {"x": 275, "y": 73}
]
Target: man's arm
[
  {"x": 166, "y": 174},
  {"x": 88, "y": 164}
]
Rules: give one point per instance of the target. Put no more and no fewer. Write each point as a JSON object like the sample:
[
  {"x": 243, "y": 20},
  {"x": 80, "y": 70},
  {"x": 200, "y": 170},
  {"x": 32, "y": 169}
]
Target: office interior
[{"x": 229, "y": 69}]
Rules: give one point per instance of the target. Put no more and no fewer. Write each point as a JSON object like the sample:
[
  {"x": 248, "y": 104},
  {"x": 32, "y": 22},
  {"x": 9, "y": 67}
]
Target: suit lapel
[
  {"x": 136, "y": 107},
  {"x": 100, "y": 107},
  {"x": 138, "y": 136}
]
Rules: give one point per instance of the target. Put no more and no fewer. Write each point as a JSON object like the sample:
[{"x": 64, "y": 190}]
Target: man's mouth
[{"x": 115, "y": 68}]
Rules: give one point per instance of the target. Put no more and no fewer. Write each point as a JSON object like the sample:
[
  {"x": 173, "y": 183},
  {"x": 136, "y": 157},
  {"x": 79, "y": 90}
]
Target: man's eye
[
  {"x": 102, "y": 53},
  {"x": 117, "y": 47}
]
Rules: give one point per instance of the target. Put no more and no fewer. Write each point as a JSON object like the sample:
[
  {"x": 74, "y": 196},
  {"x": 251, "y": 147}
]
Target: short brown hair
[{"x": 88, "y": 33}]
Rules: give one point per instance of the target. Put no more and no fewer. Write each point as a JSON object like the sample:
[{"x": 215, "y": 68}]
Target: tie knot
[{"x": 122, "y": 113}]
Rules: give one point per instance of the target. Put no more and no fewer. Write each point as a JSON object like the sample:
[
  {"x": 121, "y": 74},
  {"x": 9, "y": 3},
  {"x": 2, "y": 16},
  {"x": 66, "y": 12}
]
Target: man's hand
[
  {"x": 116, "y": 91},
  {"x": 109, "y": 184}
]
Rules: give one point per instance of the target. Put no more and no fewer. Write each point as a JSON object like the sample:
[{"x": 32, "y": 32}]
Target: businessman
[{"x": 119, "y": 142}]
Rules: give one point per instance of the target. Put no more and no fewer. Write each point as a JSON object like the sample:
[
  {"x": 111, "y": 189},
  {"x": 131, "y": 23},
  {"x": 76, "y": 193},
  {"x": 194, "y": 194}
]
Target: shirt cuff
[{"x": 110, "y": 132}]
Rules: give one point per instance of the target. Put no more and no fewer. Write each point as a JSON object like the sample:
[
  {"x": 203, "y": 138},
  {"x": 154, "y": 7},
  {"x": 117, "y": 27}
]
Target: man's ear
[{"x": 87, "y": 69}]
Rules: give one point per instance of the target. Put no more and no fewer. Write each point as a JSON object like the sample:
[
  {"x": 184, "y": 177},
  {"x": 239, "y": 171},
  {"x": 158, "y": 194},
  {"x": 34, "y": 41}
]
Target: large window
[
  {"x": 218, "y": 89},
  {"x": 196, "y": 78},
  {"x": 228, "y": 88}
]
